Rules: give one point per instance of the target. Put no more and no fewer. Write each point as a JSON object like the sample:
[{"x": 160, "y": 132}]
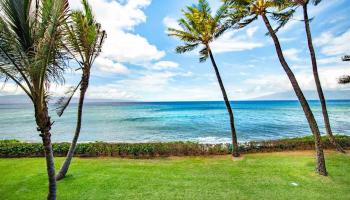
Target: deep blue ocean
[{"x": 205, "y": 122}]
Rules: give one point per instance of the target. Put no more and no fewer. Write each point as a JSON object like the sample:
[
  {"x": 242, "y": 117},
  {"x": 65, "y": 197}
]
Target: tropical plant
[
  {"x": 85, "y": 38},
  {"x": 200, "y": 28},
  {"x": 346, "y": 58},
  {"x": 247, "y": 11},
  {"x": 345, "y": 79},
  {"x": 32, "y": 56},
  {"x": 304, "y": 5}
]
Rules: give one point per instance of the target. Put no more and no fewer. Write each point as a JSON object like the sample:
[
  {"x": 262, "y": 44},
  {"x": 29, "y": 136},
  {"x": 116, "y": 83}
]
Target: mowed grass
[{"x": 255, "y": 176}]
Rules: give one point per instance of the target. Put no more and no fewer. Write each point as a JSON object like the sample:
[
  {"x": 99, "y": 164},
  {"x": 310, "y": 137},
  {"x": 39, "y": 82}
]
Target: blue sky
[{"x": 138, "y": 61}]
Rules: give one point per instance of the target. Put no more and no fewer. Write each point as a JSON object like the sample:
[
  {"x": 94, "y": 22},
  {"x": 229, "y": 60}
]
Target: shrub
[{"x": 15, "y": 148}]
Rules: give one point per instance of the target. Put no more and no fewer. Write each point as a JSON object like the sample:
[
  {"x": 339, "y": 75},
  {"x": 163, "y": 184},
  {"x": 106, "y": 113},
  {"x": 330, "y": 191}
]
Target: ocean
[{"x": 204, "y": 122}]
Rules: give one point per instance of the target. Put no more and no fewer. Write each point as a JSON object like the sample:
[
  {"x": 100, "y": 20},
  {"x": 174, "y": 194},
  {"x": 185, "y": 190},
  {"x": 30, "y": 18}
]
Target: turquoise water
[{"x": 205, "y": 122}]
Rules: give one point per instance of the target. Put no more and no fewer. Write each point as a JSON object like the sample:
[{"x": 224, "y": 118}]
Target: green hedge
[
  {"x": 14, "y": 148},
  {"x": 299, "y": 143}
]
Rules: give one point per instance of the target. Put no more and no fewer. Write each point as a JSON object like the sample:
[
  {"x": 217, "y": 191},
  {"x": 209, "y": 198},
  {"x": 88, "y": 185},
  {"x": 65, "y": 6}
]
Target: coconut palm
[
  {"x": 346, "y": 58},
  {"x": 304, "y": 5},
  {"x": 247, "y": 11},
  {"x": 85, "y": 38},
  {"x": 200, "y": 28},
  {"x": 345, "y": 79},
  {"x": 32, "y": 56}
]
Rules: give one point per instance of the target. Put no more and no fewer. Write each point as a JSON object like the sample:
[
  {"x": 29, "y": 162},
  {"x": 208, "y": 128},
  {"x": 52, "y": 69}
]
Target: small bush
[{"x": 15, "y": 148}]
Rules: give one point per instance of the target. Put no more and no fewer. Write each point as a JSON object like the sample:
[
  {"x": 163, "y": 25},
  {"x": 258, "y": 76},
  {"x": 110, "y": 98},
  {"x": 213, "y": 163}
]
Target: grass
[{"x": 255, "y": 176}]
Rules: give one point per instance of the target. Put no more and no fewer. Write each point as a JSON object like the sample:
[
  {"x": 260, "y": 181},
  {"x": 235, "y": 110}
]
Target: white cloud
[
  {"x": 292, "y": 54},
  {"x": 149, "y": 85},
  {"x": 165, "y": 65},
  {"x": 10, "y": 88},
  {"x": 274, "y": 83},
  {"x": 329, "y": 60},
  {"x": 115, "y": 14},
  {"x": 119, "y": 19},
  {"x": 334, "y": 45},
  {"x": 314, "y": 10},
  {"x": 130, "y": 48},
  {"x": 110, "y": 91},
  {"x": 231, "y": 41},
  {"x": 170, "y": 22},
  {"x": 252, "y": 30},
  {"x": 107, "y": 65}
]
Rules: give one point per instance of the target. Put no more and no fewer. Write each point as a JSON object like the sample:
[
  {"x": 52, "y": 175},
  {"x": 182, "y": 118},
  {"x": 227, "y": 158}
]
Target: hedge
[{"x": 15, "y": 148}]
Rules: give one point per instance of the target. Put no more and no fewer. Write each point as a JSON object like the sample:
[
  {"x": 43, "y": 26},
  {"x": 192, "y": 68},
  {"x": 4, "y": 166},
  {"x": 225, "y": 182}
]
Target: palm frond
[
  {"x": 316, "y": 2},
  {"x": 204, "y": 54},
  {"x": 344, "y": 80},
  {"x": 16, "y": 14},
  {"x": 282, "y": 18},
  {"x": 63, "y": 102},
  {"x": 199, "y": 26},
  {"x": 85, "y": 36},
  {"x": 186, "y": 48},
  {"x": 31, "y": 44},
  {"x": 246, "y": 21}
]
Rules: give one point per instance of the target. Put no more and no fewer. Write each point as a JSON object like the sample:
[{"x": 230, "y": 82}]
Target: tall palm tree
[
  {"x": 32, "y": 56},
  {"x": 200, "y": 28},
  {"x": 304, "y": 4},
  {"x": 247, "y": 11},
  {"x": 85, "y": 38}
]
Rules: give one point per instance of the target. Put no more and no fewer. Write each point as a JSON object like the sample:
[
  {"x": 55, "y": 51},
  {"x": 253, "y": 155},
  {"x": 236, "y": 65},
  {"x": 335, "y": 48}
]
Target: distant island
[{"x": 288, "y": 95}]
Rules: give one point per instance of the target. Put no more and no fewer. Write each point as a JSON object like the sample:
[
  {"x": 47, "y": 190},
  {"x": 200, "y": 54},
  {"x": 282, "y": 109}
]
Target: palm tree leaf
[
  {"x": 63, "y": 102},
  {"x": 316, "y": 2},
  {"x": 282, "y": 18},
  {"x": 204, "y": 54},
  {"x": 344, "y": 80},
  {"x": 186, "y": 48},
  {"x": 17, "y": 16}
]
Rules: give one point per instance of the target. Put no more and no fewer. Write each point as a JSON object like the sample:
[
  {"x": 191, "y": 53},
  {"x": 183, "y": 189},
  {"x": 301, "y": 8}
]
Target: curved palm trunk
[
  {"x": 44, "y": 126},
  {"x": 320, "y": 164},
  {"x": 83, "y": 88},
  {"x": 235, "y": 151},
  {"x": 318, "y": 82}
]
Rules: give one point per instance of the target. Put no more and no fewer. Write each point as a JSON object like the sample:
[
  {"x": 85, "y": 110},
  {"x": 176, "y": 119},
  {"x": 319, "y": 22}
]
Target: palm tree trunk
[
  {"x": 318, "y": 82},
  {"x": 44, "y": 126},
  {"x": 235, "y": 150},
  {"x": 83, "y": 88},
  {"x": 320, "y": 160}
]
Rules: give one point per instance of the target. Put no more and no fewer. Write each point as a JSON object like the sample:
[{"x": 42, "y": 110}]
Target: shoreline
[{"x": 209, "y": 140}]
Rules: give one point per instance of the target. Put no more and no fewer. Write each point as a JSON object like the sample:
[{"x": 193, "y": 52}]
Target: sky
[{"x": 139, "y": 63}]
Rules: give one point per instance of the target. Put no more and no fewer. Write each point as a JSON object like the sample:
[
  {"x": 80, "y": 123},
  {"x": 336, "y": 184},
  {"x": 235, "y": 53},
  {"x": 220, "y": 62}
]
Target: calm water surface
[{"x": 205, "y": 122}]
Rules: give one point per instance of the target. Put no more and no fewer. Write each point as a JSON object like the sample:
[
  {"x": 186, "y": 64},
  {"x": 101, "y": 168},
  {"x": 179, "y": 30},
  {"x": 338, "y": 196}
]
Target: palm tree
[
  {"x": 346, "y": 58},
  {"x": 200, "y": 28},
  {"x": 31, "y": 56},
  {"x": 247, "y": 11},
  {"x": 304, "y": 4},
  {"x": 85, "y": 39},
  {"x": 345, "y": 79}
]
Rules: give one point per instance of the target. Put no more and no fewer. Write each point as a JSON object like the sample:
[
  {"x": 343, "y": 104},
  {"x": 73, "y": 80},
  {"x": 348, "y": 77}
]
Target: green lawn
[{"x": 256, "y": 176}]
